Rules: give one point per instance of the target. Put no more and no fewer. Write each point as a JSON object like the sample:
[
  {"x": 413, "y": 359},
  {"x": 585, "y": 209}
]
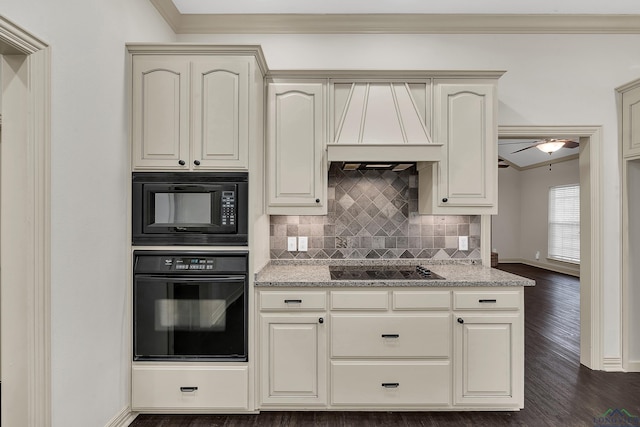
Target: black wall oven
[
  {"x": 190, "y": 208},
  {"x": 190, "y": 306}
]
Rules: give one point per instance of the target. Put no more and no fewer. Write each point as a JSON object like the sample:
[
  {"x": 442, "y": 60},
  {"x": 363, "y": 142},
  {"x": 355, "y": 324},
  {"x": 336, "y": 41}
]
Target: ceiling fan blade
[
  {"x": 571, "y": 144},
  {"x": 522, "y": 149}
]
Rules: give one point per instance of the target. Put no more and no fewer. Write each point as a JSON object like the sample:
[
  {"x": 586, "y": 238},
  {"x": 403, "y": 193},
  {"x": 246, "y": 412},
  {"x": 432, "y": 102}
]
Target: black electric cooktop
[{"x": 405, "y": 272}]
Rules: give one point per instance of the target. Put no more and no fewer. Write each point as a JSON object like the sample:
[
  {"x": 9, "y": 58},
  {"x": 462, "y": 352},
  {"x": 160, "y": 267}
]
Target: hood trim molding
[{"x": 402, "y": 153}]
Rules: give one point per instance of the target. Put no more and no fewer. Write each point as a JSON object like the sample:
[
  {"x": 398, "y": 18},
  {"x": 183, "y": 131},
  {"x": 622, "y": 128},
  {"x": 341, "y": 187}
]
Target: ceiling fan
[{"x": 550, "y": 145}]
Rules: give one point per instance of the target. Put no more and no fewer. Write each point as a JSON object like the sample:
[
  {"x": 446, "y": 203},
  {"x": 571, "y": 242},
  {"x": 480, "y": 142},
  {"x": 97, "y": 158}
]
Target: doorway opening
[{"x": 590, "y": 167}]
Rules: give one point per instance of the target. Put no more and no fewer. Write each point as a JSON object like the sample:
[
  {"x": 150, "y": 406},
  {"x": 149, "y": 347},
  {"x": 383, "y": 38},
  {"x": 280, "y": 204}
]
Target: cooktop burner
[{"x": 387, "y": 272}]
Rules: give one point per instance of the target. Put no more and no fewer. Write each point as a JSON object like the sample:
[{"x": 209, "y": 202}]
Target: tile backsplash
[{"x": 374, "y": 214}]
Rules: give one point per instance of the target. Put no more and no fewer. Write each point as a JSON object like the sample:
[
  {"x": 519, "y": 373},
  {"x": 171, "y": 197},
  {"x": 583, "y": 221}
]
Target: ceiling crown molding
[{"x": 394, "y": 23}]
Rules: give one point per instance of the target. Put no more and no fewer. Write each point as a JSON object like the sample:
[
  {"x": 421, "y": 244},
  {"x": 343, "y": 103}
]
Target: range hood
[{"x": 382, "y": 123}]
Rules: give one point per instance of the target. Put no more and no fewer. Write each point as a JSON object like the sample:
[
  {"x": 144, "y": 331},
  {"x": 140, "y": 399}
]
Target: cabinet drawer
[
  {"x": 188, "y": 387},
  {"x": 390, "y": 383},
  {"x": 489, "y": 300},
  {"x": 275, "y": 300},
  {"x": 360, "y": 300},
  {"x": 421, "y": 300},
  {"x": 426, "y": 335}
]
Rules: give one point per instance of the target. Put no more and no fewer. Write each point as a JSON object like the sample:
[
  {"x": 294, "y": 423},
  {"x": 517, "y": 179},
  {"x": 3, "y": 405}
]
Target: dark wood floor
[{"x": 558, "y": 390}]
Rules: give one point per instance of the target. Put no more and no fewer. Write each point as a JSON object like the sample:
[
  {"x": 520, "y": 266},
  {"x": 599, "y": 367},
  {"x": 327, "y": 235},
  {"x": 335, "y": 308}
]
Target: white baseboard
[
  {"x": 123, "y": 418},
  {"x": 612, "y": 364},
  {"x": 551, "y": 267},
  {"x": 634, "y": 366}
]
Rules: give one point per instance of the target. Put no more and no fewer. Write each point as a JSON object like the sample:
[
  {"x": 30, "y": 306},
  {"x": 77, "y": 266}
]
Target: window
[{"x": 564, "y": 223}]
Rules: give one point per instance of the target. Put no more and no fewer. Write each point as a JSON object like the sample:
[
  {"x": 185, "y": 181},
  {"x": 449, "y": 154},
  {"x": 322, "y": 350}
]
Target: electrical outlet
[
  {"x": 302, "y": 243},
  {"x": 463, "y": 243},
  {"x": 537, "y": 254},
  {"x": 291, "y": 244}
]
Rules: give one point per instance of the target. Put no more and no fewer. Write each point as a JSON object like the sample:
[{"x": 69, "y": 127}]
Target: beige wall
[{"x": 520, "y": 228}]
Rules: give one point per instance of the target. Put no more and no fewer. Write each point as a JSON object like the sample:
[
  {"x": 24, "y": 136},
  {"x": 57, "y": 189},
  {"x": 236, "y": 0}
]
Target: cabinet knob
[
  {"x": 181, "y": 162},
  {"x": 460, "y": 320},
  {"x": 196, "y": 162},
  {"x": 445, "y": 200},
  {"x": 317, "y": 200},
  {"x": 321, "y": 320}
]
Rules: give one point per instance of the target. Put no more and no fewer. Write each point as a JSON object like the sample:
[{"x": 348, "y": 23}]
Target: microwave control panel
[{"x": 228, "y": 207}]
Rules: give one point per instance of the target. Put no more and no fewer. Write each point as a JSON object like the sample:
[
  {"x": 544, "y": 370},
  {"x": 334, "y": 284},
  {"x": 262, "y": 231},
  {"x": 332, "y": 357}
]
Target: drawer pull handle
[
  {"x": 390, "y": 335},
  {"x": 293, "y": 301},
  {"x": 390, "y": 385},
  {"x": 487, "y": 300},
  {"x": 188, "y": 389}
]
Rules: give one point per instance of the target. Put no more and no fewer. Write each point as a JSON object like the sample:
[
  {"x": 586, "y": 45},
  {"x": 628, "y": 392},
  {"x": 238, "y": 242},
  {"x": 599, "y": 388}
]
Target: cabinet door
[
  {"x": 488, "y": 362},
  {"x": 466, "y": 180},
  {"x": 631, "y": 122},
  {"x": 220, "y": 113},
  {"x": 293, "y": 355},
  {"x": 296, "y": 139},
  {"x": 160, "y": 125}
]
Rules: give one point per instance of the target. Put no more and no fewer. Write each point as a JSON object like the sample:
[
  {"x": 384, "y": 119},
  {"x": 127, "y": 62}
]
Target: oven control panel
[{"x": 190, "y": 263}]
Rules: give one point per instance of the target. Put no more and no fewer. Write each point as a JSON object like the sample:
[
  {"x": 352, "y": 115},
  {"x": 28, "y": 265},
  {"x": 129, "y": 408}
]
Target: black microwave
[{"x": 189, "y": 208}]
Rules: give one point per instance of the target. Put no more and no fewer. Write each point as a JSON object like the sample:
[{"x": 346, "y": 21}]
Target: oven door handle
[{"x": 194, "y": 278}]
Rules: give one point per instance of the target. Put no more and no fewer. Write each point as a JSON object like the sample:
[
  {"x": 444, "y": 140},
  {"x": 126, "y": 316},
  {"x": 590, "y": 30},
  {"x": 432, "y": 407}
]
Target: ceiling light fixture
[{"x": 550, "y": 146}]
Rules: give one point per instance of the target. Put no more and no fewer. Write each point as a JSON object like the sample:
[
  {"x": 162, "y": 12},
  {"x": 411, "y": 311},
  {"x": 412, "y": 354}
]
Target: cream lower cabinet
[
  {"x": 488, "y": 349},
  {"x": 466, "y": 180},
  {"x": 180, "y": 387},
  {"x": 296, "y": 165},
  {"x": 293, "y": 349},
  {"x": 391, "y": 349}
]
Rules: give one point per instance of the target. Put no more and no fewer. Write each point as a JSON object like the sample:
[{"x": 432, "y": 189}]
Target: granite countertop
[{"x": 313, "y": 274}]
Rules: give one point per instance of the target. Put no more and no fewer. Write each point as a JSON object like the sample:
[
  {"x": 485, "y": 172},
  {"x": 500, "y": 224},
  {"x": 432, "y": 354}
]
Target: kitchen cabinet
[
  {"x": 488, "y": 349},
  {"x": 629, "y": 117},
  {"x": 181, "y": 387},
  {"x": 296, "y": 138},
  {"x": 293, "y": 349},
  {"x": 465, "y": 181},
  {"x": 387, "y": 354},
  {"x": 384, "y": 348},
  {"x": 194, "y": 112}
]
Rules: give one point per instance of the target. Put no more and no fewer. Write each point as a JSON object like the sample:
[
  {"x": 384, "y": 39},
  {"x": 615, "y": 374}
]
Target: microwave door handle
[{"x": 183, "y": 278}]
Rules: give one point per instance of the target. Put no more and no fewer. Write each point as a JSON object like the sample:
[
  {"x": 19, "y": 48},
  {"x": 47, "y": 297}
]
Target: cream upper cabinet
[
  {"x": 629, "y": 106},
  {"x": 220, "y": 113},
  {"x": 297, "y": 167},
  {"x": 160, "y": 107},
  {"x": 465, "y": 181},
  {"x": 194, "y": 112}
]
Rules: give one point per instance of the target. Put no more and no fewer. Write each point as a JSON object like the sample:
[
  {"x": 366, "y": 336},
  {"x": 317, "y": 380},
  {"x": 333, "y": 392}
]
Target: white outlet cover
[
  {"x": 302, "y": 243},
  {"x": 463, "y": 243},
  {"x": 291, "y": 244}
]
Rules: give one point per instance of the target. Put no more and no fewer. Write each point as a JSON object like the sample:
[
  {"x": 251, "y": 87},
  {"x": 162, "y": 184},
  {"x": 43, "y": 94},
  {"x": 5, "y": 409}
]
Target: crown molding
[{"x": 395, "y": 23}]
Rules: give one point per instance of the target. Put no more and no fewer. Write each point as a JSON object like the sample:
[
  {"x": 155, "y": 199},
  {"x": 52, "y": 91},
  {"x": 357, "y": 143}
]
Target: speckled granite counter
[{"x": 310, "y": 274}]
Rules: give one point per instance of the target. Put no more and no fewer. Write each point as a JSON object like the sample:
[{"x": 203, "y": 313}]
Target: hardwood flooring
[{"x": 558, "y": 390}]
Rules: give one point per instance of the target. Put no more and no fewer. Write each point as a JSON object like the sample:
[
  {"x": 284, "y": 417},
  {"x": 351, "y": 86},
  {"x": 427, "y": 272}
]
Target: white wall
[
  {"x": 505, "y": 227},
  {"x": 89, "y": 196},
  {"x": 535, "y": 184},
  {"x": 520, "y": 228},
  {"x": 550, "y": 80}
]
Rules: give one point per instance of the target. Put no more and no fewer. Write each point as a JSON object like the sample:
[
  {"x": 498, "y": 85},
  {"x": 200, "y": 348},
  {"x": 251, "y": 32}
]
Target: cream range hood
[{"x": 382, "y": 123}]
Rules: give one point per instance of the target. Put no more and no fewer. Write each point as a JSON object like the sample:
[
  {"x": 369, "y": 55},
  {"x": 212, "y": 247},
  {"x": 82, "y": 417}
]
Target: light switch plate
[
  {"x": 302, "y": 243},
  {"x": 463, "y": 243},
  {"x": 291, "y": 244}
]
